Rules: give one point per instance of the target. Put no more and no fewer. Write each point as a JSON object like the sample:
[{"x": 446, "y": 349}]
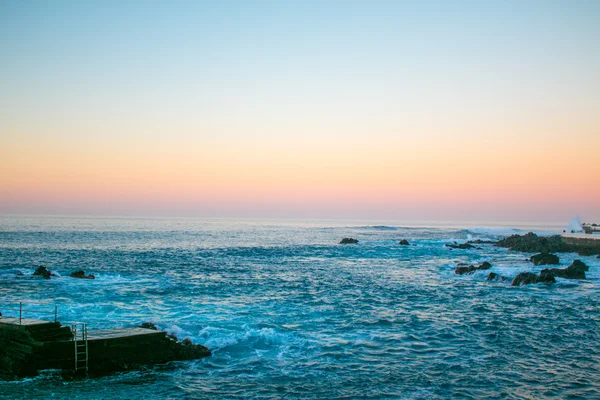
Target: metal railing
[{"x": 21, "y": 311}]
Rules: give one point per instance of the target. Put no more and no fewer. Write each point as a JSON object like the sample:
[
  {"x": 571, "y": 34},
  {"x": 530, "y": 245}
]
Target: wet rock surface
[
  {"x": 348, "y": 241},
  {"x": 403, "y": 242}
]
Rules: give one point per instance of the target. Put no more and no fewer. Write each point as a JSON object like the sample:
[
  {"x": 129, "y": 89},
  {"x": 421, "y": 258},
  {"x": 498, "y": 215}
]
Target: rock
[
  {"x": 81, "y": 275},
  {"x": 462, "y": 269},
  {"x": 544, "y": 259},
  {"x": 480, "y": 241},
  {"x": 459, "y": 246},
  {"x": 485, "y": 265},
  {"x": 533, "y": 243},
  {"x": 545, "y": 277},
  {"x": 495, "y": 277},
  {"x": 149, "y": 325},
  {"x": 43, "y": 272},
  {"x": 574, "y": 271},
  {"x": 348, "y": 241},
  {"x": 404, "y": 242},
  {"x": 526, "y": 278}
]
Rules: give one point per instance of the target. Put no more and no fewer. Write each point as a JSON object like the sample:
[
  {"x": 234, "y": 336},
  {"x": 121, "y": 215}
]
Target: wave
[{"x": 377, "y": 227}]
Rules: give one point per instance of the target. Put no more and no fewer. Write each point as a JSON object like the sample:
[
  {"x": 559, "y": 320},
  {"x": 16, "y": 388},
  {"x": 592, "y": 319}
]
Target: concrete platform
[
  {"x": 121, "y": 333},
  {"x": 23, "y": 322}
]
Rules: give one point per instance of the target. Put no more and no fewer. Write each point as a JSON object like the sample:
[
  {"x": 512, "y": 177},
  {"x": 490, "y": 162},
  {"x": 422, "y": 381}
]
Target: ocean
[{"x": 290, "y": 313}]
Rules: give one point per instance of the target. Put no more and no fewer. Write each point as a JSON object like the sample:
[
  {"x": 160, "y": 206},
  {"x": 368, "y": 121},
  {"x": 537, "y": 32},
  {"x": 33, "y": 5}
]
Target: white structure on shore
[{"x": 574, "y": 226}]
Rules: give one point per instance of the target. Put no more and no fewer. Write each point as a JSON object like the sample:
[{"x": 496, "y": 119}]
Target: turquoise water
[{"x": 289, "y": 313}]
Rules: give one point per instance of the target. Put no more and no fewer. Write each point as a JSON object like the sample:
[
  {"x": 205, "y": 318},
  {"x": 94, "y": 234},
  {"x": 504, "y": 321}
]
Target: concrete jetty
[{"x": 36, "y": 345}]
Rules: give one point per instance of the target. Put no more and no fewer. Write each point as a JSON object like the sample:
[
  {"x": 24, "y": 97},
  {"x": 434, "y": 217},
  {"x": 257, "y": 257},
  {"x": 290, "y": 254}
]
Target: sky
[{"x": 407, "y": 110}]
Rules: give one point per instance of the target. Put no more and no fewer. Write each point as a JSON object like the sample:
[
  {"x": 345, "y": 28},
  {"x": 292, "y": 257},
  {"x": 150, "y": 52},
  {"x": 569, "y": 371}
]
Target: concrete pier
[{"x": 108, "y": 350}]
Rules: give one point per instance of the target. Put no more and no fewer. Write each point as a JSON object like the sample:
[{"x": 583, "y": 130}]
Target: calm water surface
[{"x": 289, "y": 313}]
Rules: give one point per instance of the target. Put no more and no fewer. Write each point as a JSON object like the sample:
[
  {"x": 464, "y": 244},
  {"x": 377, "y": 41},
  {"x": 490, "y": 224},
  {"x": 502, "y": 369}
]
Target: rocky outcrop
[
  {"x": 348, "y": 241},
  {"x": 533, "y": 243},
  {"x": 544, "y": 259},
  {"x": 404, "y": 242},
  {"x": 576, "y": 270},
  {"x": 43, "y": 272},
  {"x": 527, "y": 278},
  {"x": 459, "y": 246},
  {"x": 81, "y": 275},
  {"x": 480, "y": 241},
  {"x": 462, "y": 269}
]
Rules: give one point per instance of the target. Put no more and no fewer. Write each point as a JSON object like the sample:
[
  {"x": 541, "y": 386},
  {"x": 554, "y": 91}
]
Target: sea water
[{"x": 290, "y": 313}]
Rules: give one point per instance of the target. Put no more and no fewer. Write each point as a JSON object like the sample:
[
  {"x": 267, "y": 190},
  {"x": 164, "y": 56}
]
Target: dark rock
[
  {"x": 459, "y": 246},
  {"x": 186, "y": 342},
  {"x": 574, "y": 271},
  {"x": 526, "y": 278},
  {"x": 149, "y": 325},
  {"x": 544, "y": 259},
  {"x": 533, "y": 243},
  {"x": 404, "y": 242},
  {"x": 485, "y": 265},
  {"x": 462, "y": 269},
  {"x": 495, "y": 277},
  {"x": 348, "y": 241},
  {"x": 43, "y": 272},
  {"x": 479, "y": 241},
  {"x": 81, "y": 275},
  {"x": 545, "y": 277}
]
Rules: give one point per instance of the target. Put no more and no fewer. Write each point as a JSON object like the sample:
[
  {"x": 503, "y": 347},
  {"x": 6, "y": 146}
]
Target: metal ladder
[{"x": 80, "y": 339}]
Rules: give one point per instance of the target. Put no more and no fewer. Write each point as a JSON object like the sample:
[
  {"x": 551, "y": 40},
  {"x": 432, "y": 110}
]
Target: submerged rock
[
  {"x": 459, "y": 246},
  {"x": 544, "y": 259},
  {"x": 348, "y": 241},
  {"x": 480, "y": 241},
  {"x": 467, "y": 269},
  {"x": 81, "y": 275},
  {"x": 495, "y": 277},
  {"x": 574, "y": 271},
  {"x": 526, "y": 278},
  {"x": 404, "y": 242},
  {"x": 43, "y": 272}
]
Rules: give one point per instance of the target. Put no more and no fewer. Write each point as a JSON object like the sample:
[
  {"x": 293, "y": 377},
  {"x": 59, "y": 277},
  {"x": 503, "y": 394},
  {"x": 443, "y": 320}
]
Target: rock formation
[
  {"x": 464, "y": 269},
  {"x": 544, "y": 259},
  {"x": 81, "y": 275},
  {"x": 574, "y": 271},
  {"x": 459, "y": 246},
  {"x": 43, "y": 272},
  {"x": 348, "y": 241}
]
